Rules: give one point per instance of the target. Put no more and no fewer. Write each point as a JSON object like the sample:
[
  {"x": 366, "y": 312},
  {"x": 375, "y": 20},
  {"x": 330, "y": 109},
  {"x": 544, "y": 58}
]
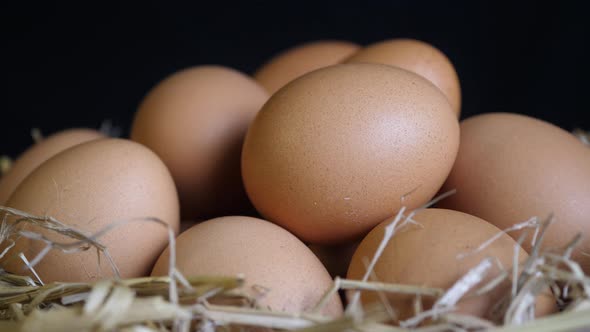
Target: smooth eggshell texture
[
  {"x": 340, "y": 149},
  {"x": 426, "y": 255},
  {"x": 266, "y": 254},
  {"x": 88, "y": 187},
  {"x": 418, "y": 57},
  {"x": 195, "y": 121},
  {"x": 512, "y": 167},
  {"x": 38, "y": 153},
  {"x": 302, "y": 59}
]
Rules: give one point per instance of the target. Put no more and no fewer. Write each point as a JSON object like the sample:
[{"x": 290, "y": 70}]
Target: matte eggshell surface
[
  {"x": 512, "y": 167},
  {"x": 426, "y": 255},
  {"x": 38, "y": 153},
  {"x": 267, "y": 255},
  {"x": 195, "y": 121},
  {"x": 302, "y": 59},
  {"x": 340, "y": 149},
  {"x": 89, "y": 187},
  {"x": 418, "y": 57}
]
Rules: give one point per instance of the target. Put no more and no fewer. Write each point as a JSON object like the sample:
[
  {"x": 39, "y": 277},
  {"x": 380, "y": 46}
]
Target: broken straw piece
[
  {"x": 465, "y": 284},
  {"x": 31, "y": 268},
  {"x": 5, "y": 164},
  {"x": 582, "y": 135},
  {"x": 530, "y": 223}
]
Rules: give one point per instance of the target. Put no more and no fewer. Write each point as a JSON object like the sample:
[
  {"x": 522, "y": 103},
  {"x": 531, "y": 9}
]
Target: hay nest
[{"x": 209, "y": 303}]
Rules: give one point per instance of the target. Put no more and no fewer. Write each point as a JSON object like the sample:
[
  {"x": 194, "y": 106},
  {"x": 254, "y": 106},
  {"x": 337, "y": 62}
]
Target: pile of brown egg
[{"x": 290, "y": 177}]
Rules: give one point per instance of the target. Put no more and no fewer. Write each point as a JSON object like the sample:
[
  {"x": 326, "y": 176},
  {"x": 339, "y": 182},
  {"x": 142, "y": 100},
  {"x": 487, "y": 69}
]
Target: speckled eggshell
[
  {"x": 302, "y": 59},
  {"x": 511, "y": 167},
  {"x": 340, "y": 149},
  {"x": 418, "y": 57},
  {"x": 426, "y": 255},
  {"x": 38, "y": 153},
  {"x": 90, "y": 186},
  {"x": 195, "y": 121},
  {"x": 268, "y": 256}
]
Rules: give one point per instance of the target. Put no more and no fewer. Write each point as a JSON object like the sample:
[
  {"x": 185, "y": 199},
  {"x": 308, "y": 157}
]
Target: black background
[{"x": 78, "y": 64}]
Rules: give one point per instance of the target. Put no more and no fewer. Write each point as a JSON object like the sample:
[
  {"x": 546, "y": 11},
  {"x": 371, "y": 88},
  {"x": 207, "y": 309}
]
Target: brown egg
[
  {"x": 426, "y": 255},
  {"x": 512, "y": 167},
  {"x": 186, "y": 224},
  {"x": 195, "y": 120},
  {"x": 336, "y": 258},
  {"x": 38, "y": 153},
  {"x": 270, "y": 258},
  {"x": 88, "y": 187},
  {"x": 418, "y": 57},
  {"x": 340, "y": 149},
  {"x": 300, "y": 60}
]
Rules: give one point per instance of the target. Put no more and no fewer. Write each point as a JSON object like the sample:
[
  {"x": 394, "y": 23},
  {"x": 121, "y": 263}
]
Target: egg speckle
[
  {"x": 425, "y": 254},
  {"x": 512, "y": 167},
  {"x": 88, "y": 187},
  {"x": 195, "y": 121},
  {"x": 40, "y": 152},
  {"x": 268, "y": 256},
  {"x": 418, "y": 57},
  {"x": 338, "y": 150}
]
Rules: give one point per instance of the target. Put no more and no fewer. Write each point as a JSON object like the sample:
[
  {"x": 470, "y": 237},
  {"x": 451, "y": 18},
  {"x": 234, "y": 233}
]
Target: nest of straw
[{"x": 211, "y": 303}]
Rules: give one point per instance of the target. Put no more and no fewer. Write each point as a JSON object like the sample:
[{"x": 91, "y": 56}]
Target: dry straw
[
  {"x": 584, "y": 136},
  {"x": 5, "y": 164},
  {"x": 209, "y": 303}
]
